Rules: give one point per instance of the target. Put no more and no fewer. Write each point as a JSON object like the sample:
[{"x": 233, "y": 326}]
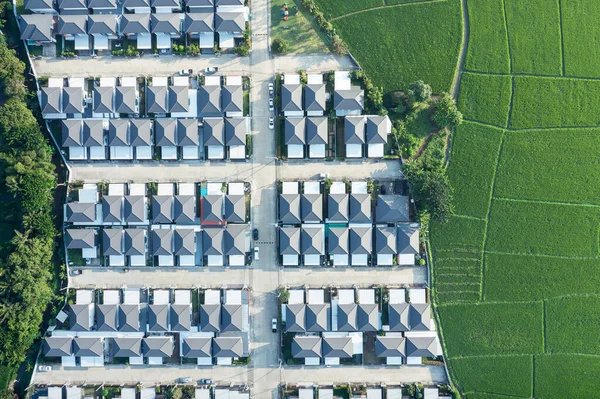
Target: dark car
[
  {"x": 255, "y": 234},
  {"x": 205, "y": 381}
]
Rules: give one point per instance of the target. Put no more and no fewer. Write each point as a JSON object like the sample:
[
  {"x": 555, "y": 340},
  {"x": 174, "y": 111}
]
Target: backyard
[{"x": 300, "y": 31}]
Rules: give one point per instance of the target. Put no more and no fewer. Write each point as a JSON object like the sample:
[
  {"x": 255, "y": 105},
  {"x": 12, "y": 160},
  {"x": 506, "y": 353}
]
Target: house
[
  {"x": 40, "y": 6},
  {"x": 291, "y": 99},
  {"x": 229, "y": 25},
  {"x": 209, "y": 101},
  {"x": 408, "y": 243},
  {"x": 180, "y": 316},
  {"x": 188, "y": 138},
  {"x": 314, "y": 99},
  {"x": 195, "y": 6},
  {"x": 311, "y": 208},
  {"x": 98, "y": 7},
  {"x": 236, "y": 132},
  {"x": 165, "y": 6},
  {"x": 135, "y": 246},
  {"x": 126, "y": 100},
  {"x": 232, "y": 100},
  {"x": 359, "y": 208},
  {"x": 354, "y": 136},
  {"x": 378, "y": 128},
  {"x": 213, "y": 134},
  {"x": 118, "y": 139},
  {"x": 72, "y": 139},
  {"x": 89, "y": 350},
  {"x": 385, "y": 245},
  {"x": 128, "y": 317},
  {"x": 225, "y": 348},
  {"x": 337, "y": 208},
  {"x": 84, "y": 240},
  {"x": 229, "y": 3},
  {"x": 81, "y": 317},
  {"x": 165, "y": 27},
  {"x": 236, "y": 244},
  {"x": 418, "y": 347},
  {"x": 135, "y": 210},
  {"x": 184, "y": 209},
  {"x": 197, "y": 347},
  {"x": 289, "y": 208},
  {"x": 102, "y": 28},
  {"x": 392, "y": 347},
  {"x": 162, "y": 246},
  {"x": 140, "y": 136},
  {"x": 349, "y": 101},
  {"x": 157, "y": 348},
  {"x": 178, "y": 98},
  {"x": 127, "y": 347},
  {"x": 156, "y": 99},
  {"x": 294, "y": 136},
  {"x": 212, "y": 246},
  {"x": 80, "y": 213},
  {"x": 212, "y": 209},
  {"x": 102, "y": 101},
  {"x": 162, "y": 209},
  {"x": 51, "y": 102},
  {"x": 165, "y": 135},
  {"x": 112, "y": 246},
  {"x": 316, "y": 136},
  {"x": 317, "y": 317},
  {"x": 307, "y": 348},
  {"x": 72, "y": 7},
  {"x": 392, "y": 208},
  {"x": 235, "y": 208},
  {"x": 184, "y": 246},
  {"x": 137, "y": 27},
  {"x": 37, "y": 29},
  {"x": 73, "y": 101},
  {"x": 74, "y": 28},
  {"x": 289, "y": 245},
  {"x": 337, "y": 246},
  {"x": 210, "y": 316},
  {"x": 295, "y": 318},
  {"x": 312, "y": 244},
  {"x": 137, "y": 6},
  {"x": 336, "y": 347},
  {"x": 360, "y": 239},
  {"x": 200, "y": 25}
]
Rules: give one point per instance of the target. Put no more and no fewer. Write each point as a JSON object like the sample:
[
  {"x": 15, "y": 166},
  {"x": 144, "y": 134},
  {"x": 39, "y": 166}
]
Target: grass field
[
  {"x": 459, "y": 234},
  {"x": 572, "y": 325},
  {"x": 485, "y": 98},
  {"x": 336, "y": 8},
  {"x": 300, "y": 31},
  {"x": 566, "y": 376},
  {"x": 581, "y": 45}
]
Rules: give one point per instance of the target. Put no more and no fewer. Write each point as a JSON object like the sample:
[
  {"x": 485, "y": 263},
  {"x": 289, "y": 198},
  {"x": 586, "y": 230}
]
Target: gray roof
[
  {"x": 196, "y": 347},
  {"x": 398, "y": 316},
  {"x": 112, "y": 242},
  {"x": 236, "y": 130},
  {"x": 165, "y": 23},
  {"x": 229, "y": 21},
  {"x": 291, "y": 97},
  {"x": 103, "y": 99},
  {"x": 156, "y": 98},
  {"x": 294, "y": 131},
  {"x": 228, "y": 347},
  {"x": 74, "y": 4},
  {"x": 183, "y": 242},
  {"x": 129, "y": 318},
  {"x": 136, "y": 3},
  {"x": 385, "y": 240},
  {"x": 212, "y": 208},
  {"x": 377, "y": 129},
  {"x": 338, "y": 347},
  {"x": 199, "y": 3},
  {"x": 93, "y": 132},
  {"x": 79, "y": 317},
  {"x": 106, "y": 317},
  {"x": 367, "y": 317},
  {"x": 157, "y": 346},
  {"x": 165, "y": 3},
  {"x": 102, "y": 24},
  {"x": 58, "y": 346},
  {"x": 111, "y": 208},
  {"x": 162, "y": 209},
  {"x": 419, "y": 316},
  {"x": 360, "y": 208},
  {"x": 235, "y": 240},
  {"x": 102, "y": 4},
  {"x": 134, "y": 24},
  {"x": 390, "y": 346},
  {"x": 295, "y": 316},
  {"x": 314, "y": 97},
  {"x": 181, "y": 317},
  {"x": 289, "y": 208},
  {"x": 311, "y": 207},
  {"x": 360, "y": 240},
  {"x": 72, "y": 100},
  {"x": 36, "y": 27},
  {"x": 134, "y": 208},
  {"x": 289, "y": 241},
  {"x": 317, "y": 317},
  {"x": 408, "y": 239},
  {"x": 161, "y": 242},
  {"x": 209, "y": 101},
  {"x": 135, "y": 241},
  {"x": 71, "y": 24},
  {"x": 311, "y": 241},
  {"x": 179, "y": 99},
  {"x": 337, "y": 208},
  {"x": 235, "y": 208},
  {"x": 84, "y": 346},
  {"x": 196, "y": 22},
  {"x": 127, "y": 347},
  {"x": 337, "y": 243},
  {"x": 38, "y": 4},
  {"x": 81, "y": 212},
  {"x": 117, "y": 132},
  {"x": 213, "y": 131},
  {"x": 80, "y": 238},
  {"x": 391, "y": 209},
  {"x": 231, "y": 318},
  {"x": 212, "y": 241},
  {"x": 184, "y": 209},
  {"x": 125, "y": 100},
  {"x": 50, "y": 95},
  {"x": 71, "y": 133},
  {"x": 421, "y": 346},
  {"x": 316, "y": 130},
  {"x": 210, "y": 318},
  {"x": 158, "y": 317},
  {"x": 347, "y": 317},
  {"x": 354, "y": 130},
  {"x": 352, "y": 99},
  {"x": 187, "y": 131},
  {"x": 232, "y": 98},
  {"x": 139, "y": 132},
  {"x": 303, "y": 347},
  {"x": 164, "y": 132},
  {"x": 229, "y": 3}
]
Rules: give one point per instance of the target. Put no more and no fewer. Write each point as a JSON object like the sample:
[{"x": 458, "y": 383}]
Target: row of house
[
  {"x": 134, "y": 6},
  {"x": 74, "y": 392},
  {"x": 387, "y": 392}
]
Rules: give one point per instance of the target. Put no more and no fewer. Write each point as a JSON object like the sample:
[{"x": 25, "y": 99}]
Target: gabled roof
[
  {"x": 36, "y": 27},
  {"x": 337, "y": 208},
  {"x": 295, "y": 316},
  {"x": 158, "y": 317},
  {"x": 81, "y": 212},
  {"x": 184, "y": 242},
  {"x": 360, "y": 208},
  {"x": 136, "y": 3},
  {"x": 106, "y": 317},
  {"x": 294, "y": 130},
  {"x": 378, "y": 127},
  {"x": 210, "y": 318},
  {"x": 317, "y": 317},
  {"x": 367, "y": 317},
  {"x": 231, "y": 318},
  {"x": 80, "y": 238},
  {"x": 50, "y": 95},
  {"x": 72, "y": 4},
  {"x": 102, "y": 23},
  {"x": 134, "y": 24},
  {"x": 398, "y": 316},
  {"x": 311, "y": 207},
  {"x": 127, "y": 347},
  {"x": 139, "y": 132},
  {"x": 102, "y": 4},
  {"x": 421, "y": 346},
  {"x": 71, "y": 25},
  {"x": 72, "y": 100},
  {"x": 289, "y": 241},
  {"x": 229, "y": 21},
  {"x": 311, "y": 241},
  {"x": 129, "y": 318},
  {"x": 112, "y": 241},
  {"x": 135, "y": 241},
  {"x": 408, "y": 239},
  {"x": 58, "y": 346},
  {"x": 84, "y": 346},
  {"x": 235, "y": 240},
  {"x": 165, "y": 23},
  {"x": 93, "y": 132},
  {"x": 197, "y": 22},
  {"x": 125, "y": 100},
  {"x": 385, "y": 240},
  {"x": 419, "y": 316},
  {"x": 229, "y": 3},
  {"x": 352, "y": 99},
  {"x": 235, "y": 208},
  {"x": 179, "y": 99},
  {"x": 79, "y": 317},
  {"x": 338, "y": 347},
  {"x": 187, "y": 131},
  {"x": 338, "y": 241},
  {"x": 181, "y": 317},
  {"x": 161, "y": 242},
  {"x": 303, "y": 347},
  {"x": 354, "y": 130},
  {"x": 111, "y": 208},
  {"x": 212, "y": 241},
  {"x": 316, "y": 130},
  {"x": 164, "y": 132},
  {"x": 71, "y": 133},
  {"x": 347, "y": 317},
  {"x": 232, "y": 98},
  {"x": 228, "y": 347},
  {"x": 38, "y": 4},
  {"x": 390, "y": 346},
  {"x": 236, "y": 130},
  {"x": 156, "y": 98},
  {"x": 103, "y": 96},
  {"x": 212, "y": 208},
  {"x": 117, "y": 132},
  {"x": 314, "y": 97},
  {"x": 184, "y": 210},
  {"x": 213, "y": 131},
  {"x": 195, "y": 347},
  {"x": 289, "y": 208},
  {"x": 391, "y": 209},
  {"x": 165, "y": 3},
  {"x": 157, "y": 346},
  {"x": 134, "y": 208},
  {"x": 209, "y": 101},
  {"x": 291, "y": 97},
  {"x": 360, "y": 240}
]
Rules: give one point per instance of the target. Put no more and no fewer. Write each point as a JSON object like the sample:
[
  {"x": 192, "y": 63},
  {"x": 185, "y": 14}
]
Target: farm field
[
  {"x": 485, "y": 98},
  {"x": 333, "y": 9},
  {"x": 581, "y": 49}
]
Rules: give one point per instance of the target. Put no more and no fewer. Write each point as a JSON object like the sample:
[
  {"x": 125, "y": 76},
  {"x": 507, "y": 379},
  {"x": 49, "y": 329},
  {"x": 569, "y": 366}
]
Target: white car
[
  {"x": 43, "y": 369},
  {"x": 271, "y": 123},
  {"x": 271, "y": 92},
  {"x": 256, "y": 253},
  {"x": 271, "y": 106},
  {"x": 274, "y": 325}
]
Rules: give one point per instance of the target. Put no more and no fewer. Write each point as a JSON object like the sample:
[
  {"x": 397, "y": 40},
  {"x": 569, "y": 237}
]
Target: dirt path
[
  {"x": 386, "y": 6},
  {"x": 463, "y": 50}
]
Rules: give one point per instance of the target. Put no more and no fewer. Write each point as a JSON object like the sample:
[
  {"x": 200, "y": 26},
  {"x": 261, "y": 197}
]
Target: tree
[
  {"x": 375, "y": 98},
  {"x": 279, "y": 46},
  {"x": 242, "y": 50},
  {"x": 421, "y": 91},
  {"x": 338, "y": 45},
  {"x": 406, "y": 144},
  {"x": 432, "y": 191},
  {"x": 446, "y": 113}
]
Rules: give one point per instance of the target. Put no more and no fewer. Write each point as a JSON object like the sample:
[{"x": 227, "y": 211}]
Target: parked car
[
  {"x": 271, "y": 105},
  {"x": 255, "y": 234},
  {"x": 205, "y": 381},
  {"x": 274, "y": 325},
  {"x": 186, "y": 72},
  {"x": 271, "y": 123},
  {"x": 184, "y": 380},
  {"x": 256, "y": 252},
  {"x": 76, "y": 272},
  {"x": 271, "y": 90},
  {"x": 43, "y": 369},
  {"x": 211, "y": 70}
]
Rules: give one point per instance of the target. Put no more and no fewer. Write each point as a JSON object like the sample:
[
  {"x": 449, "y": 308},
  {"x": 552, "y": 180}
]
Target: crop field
[
  {"x": 572, "y": 325},
  {"x": 566, "y": 376},
  {"x": 336, "y": 8},
  {"x": 459, "y": 234},
  {"x": 485, "y": 98},
  {"x": 581, "y": 45}
]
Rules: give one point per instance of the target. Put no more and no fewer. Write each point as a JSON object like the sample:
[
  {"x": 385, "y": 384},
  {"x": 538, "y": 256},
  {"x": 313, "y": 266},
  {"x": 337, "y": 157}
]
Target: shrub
[
  {"x": 279, "y": 46},
  {"x": 446, "y": 113}
]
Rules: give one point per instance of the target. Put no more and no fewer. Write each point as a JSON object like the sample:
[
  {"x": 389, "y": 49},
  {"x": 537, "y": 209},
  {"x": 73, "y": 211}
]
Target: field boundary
[
  {"x": 532, "y": 75},
  {"x": 582, "y": 204},
  {"x": 464, "y": 44},
  {"x": 510, "y": 60},
  {"x": 412, "y": 3},
  {"x": 562, "y": 37}
]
